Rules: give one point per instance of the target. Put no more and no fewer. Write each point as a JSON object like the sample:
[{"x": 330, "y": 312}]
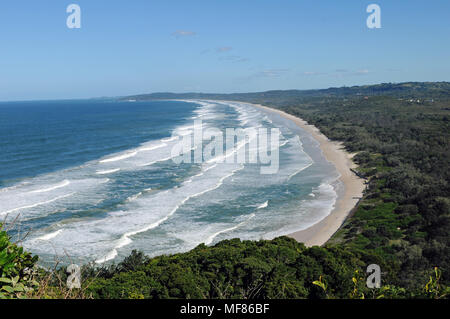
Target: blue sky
[{"x": 134, "y": 46}]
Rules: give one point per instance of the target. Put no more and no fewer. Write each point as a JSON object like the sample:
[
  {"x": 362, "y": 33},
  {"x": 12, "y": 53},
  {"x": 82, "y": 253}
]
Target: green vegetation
[
  {"x": 16, "y": 269},
  {"x": 279, "y": 268},
  {"x": 401, "y": 135}
]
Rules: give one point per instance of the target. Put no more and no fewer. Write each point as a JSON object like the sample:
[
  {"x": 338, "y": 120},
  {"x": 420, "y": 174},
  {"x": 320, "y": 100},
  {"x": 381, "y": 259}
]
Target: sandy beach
[{"x": 354, "y": 186}]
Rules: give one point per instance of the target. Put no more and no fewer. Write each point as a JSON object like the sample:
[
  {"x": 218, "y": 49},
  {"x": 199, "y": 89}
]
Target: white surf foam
[
  {"x": 220, "y": 183},
  {"x": 156, "y": 161},
  {"x": 211, "y": 238},
  {"x": 110, "y": 256},
  {"x": 50, "y": 236},
  {"x": 108, "y": 171},
  {"x": 119, "y": 157},
  {"x": 170, "y": 139},
  {"x": 263, "y": 205},
  {"x": 204, "y": 170},
  {"x": 60, "y": 185},
  {"x": 125, "y": 239},
  {"x": 134, "y": 197},
  {"x": 298, "y": 171},
  {"x": 14, "y": 187},
  {"x": 36, "y": 204},
  {"x": 151, "y": 148}
]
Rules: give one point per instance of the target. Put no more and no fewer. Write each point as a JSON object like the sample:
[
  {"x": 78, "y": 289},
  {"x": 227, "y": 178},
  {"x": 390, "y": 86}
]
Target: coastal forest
[{"x": 401, "y": 136}]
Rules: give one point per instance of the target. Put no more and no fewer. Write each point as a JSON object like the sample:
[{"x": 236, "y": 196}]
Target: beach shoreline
[{"x": 319, "y": 233}]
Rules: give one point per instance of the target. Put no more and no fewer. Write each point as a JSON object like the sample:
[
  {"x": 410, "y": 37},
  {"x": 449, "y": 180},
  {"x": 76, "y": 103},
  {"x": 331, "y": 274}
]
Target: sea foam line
[
  {"x": 222, "y": 158},
  {"x": 220, "y": 183},
  {"x": 50, "y": 236},
  {"x": 109, "y": 171},
  {"x": 156, "y": 161},
  {"x": 170, "y": 139},
  {"x": 299, "y": 171},
  {"x": 140, "y": 149},
  {"x": 118, "y": 158},
  {"x": 164, "y": 159},
  {"x": 37, "y": 204},
  {"x": 60, "y": 185},
  {"x": 302, "y": 169},
  {"x": 263, "y": 205},
  {"x": 7, "y": 189},
  {"x": 200, "y": 174},
  {"x": 134, "y": 197},
  {"x": 151, "y": 148},
  {"x": 183, "y": 130},
  {"x": 211, "y": 238}
]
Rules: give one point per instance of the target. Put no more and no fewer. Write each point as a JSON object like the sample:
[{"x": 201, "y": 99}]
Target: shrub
[{"x": 16, "y": 269}]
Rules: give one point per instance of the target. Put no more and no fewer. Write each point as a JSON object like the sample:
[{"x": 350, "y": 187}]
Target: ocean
[{"x": 91, "y": 180}]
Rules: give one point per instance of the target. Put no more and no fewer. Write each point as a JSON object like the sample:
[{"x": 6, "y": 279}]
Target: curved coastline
[{"x": 319, "y": 233}]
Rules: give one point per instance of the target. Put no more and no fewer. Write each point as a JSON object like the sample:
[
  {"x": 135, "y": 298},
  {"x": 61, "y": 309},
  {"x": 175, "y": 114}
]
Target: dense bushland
[{"x": 279, "y": 268}]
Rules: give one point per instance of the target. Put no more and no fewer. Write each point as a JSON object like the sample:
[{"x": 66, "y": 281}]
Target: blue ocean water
[{"x": 95, "y": 179}]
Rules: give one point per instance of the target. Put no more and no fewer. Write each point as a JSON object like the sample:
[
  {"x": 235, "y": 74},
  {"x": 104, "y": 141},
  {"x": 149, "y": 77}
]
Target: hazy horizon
[{"x": 201, "y": 92}]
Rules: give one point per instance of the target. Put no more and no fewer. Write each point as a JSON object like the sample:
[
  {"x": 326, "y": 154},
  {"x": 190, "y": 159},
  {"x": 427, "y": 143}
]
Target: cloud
[
  {"x": 230, "y": 58},
  {"x": 224, "y": 49},
  {"x": 362, "y": 72},
  {"x": 234, "y": 58},
  {"x": 338, "y": 73},
  {"x": 183, "y": 33},
  {"x": 271, "y": 73},
  {"x": 345, "y": 72}
]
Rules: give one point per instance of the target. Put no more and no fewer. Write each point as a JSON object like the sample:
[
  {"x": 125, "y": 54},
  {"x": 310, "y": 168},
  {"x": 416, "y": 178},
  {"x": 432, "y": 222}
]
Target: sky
[{"x": 223, "y": 46}]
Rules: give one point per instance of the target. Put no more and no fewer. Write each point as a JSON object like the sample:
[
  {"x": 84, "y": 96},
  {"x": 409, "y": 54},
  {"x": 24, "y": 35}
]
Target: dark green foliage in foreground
[
  {"x": 15, "y": 269},
  {"x": 280, "y": 268}
]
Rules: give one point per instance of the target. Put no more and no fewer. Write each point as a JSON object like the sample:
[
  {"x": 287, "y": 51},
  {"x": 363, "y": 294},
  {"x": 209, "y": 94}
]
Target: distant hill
[{"x": 413, "y": 90}]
